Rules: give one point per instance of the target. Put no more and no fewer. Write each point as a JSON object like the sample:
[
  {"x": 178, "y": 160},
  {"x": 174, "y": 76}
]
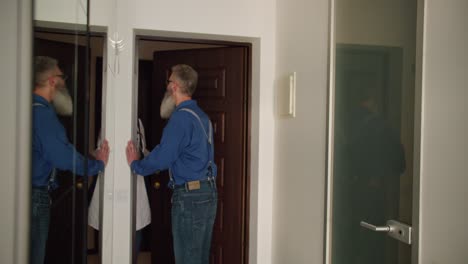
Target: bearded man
[
  {"x": 186, "y": 149},
  {"x": 51, "y": 148}
]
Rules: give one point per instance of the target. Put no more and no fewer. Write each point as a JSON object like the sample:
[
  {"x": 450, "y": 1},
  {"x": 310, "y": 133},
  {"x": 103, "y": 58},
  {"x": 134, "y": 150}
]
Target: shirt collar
[
  {"x": 186, "y": 103},
  {"x": 41, "y": 100}
]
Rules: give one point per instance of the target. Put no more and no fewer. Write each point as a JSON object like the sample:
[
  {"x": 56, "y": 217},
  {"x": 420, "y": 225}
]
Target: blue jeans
[
  {"x": 40, "y": 217},
  {"x": 193, "y": 216}
]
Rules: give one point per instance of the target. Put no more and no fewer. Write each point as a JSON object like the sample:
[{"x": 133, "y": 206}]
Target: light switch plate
[{"x": 292, "y": 95}]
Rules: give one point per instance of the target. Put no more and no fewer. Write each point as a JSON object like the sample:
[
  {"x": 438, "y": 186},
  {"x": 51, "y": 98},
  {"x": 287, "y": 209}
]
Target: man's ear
[
  {"x": 175, "y": 88},
  {"x": 51, "y": 81}
]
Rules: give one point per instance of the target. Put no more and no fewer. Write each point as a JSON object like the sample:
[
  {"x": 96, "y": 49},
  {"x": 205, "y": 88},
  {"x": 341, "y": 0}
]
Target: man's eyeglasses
[{"x": 63, "y": 76}]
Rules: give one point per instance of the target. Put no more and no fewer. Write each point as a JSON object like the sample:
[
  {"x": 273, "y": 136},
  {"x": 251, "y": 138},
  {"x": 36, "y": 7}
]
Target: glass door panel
[{"x": 373, "y": 129}]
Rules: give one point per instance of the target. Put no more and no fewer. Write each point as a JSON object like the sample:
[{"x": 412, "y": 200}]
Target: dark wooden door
[
  {"x": 68, "y": 223},
  {"x": 222, "y": 94}
]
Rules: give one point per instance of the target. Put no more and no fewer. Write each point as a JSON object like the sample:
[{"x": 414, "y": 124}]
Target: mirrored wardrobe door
[{"x": 68, "y": 85}]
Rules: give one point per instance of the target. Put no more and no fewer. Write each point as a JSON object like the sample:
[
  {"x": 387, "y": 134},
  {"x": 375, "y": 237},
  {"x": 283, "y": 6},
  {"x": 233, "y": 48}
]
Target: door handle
[
  {"x": 394, "y": 229},
  {"x": 376, "y": 228},
  {"x": 157, "y": 185}
]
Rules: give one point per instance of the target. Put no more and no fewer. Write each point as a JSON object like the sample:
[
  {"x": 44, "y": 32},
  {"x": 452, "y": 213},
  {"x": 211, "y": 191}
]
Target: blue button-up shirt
[
  {"x": 51, "y": 148},
  {"x": 184, "y": 147}
]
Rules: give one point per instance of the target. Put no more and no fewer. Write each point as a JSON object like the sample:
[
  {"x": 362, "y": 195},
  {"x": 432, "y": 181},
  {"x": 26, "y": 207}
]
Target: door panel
[
  {"x": 369, "y": 157},
  {"x": 373, "y": 130},
  {"x": 221, "y": 93}
]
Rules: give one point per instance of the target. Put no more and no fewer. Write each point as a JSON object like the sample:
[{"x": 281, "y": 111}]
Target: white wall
[
  {"x": 15, "y": 112},
  {"x": 302, "y": 47},
  {"x": 245, "y": 20},
  {"x": 8, "y": 131},
  {"x": 443, "y": 234}
]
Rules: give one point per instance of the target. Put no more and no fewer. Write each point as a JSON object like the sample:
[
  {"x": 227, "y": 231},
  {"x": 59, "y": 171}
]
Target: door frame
[
  {"x": 191, "y": 39},
  {"x": 327, "y": 240}
]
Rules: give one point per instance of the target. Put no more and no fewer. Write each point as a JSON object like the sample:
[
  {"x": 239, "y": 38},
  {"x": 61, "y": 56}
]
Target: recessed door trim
[{"x": 247, "y": 105}]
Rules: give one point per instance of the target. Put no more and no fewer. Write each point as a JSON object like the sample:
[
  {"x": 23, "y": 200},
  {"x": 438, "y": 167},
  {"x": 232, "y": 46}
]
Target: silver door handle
[
  {"x": 394, "y": 229},
  {"x": 376, "y": 228}
]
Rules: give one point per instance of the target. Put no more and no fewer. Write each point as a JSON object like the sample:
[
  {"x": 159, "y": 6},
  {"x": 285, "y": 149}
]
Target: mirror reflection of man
[
  {"x": 51, "y": 148},
  {"x": 369, "y": 160}
]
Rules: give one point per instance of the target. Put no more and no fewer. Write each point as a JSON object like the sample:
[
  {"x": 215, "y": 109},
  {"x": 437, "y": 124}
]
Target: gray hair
[
  {"x": 42, "y": 66},
  {"x": 187, "y": 76}
]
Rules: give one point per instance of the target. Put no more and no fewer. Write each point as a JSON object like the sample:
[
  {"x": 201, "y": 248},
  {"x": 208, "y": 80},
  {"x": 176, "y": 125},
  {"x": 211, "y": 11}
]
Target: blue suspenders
[{"x": 209, "y": 137}]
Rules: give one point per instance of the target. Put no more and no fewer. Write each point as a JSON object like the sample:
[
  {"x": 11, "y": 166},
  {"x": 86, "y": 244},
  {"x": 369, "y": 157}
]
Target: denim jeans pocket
[
  {"x": 203, "y": 203},
  {"x": 203, "y": 210}
]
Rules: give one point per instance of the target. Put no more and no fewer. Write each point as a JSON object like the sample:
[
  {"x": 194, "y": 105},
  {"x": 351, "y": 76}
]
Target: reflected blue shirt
[
  {"x": 51, "y": 148},
  {"x": 184, "y": 147}
]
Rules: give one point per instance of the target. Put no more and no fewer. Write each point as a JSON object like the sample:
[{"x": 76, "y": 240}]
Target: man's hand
[
  {"x": 131, "y": 152},
  {"x": 102, "y": 153}
]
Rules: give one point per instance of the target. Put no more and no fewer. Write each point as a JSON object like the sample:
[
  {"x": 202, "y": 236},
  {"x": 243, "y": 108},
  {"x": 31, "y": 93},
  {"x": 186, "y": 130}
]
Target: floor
[{"x": 143, "y": 258}]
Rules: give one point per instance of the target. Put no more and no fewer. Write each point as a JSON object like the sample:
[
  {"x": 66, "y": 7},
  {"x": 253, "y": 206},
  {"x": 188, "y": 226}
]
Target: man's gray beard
[
  {"x": 63, "y": 102},
  {"x": 167, "y": 106}
]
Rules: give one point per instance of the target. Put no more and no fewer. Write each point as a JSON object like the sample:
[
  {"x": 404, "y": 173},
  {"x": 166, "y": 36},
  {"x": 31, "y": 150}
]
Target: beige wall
[
  {"x": 298, "y": 200},
  {"x": 15, "y": 113},
  {"x": 443, "y": 237}
]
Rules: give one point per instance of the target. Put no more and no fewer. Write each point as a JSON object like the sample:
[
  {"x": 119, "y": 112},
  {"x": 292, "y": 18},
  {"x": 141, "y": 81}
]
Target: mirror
[
  {"x": 64, "y": 180},
  {"x": 60, "y": 13}
]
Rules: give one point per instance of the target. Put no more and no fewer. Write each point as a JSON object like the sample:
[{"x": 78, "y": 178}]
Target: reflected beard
[
  {"x": 63, "y": 102},
  {"x": 167, "y": 106}
]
